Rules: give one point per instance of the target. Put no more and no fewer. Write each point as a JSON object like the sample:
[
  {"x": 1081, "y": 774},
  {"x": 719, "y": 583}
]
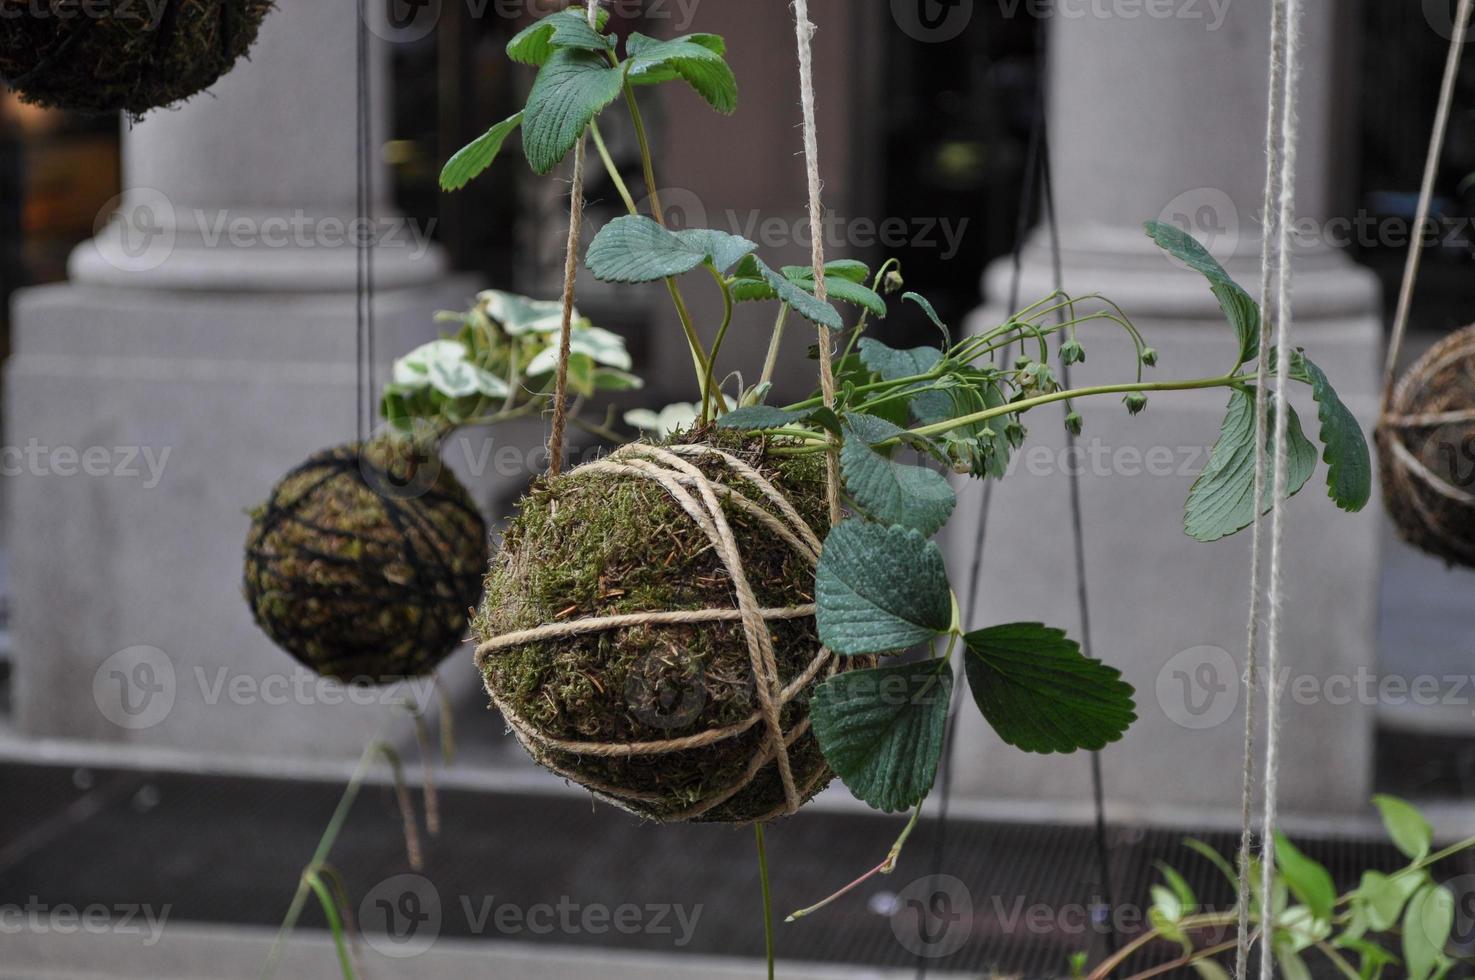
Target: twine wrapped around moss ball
[
  {"x": 364, "y": 563},
  {"x": 648, "y": 630},
  {"x": 1426, "y": 451},
  {"x": 123, "y": 55}
]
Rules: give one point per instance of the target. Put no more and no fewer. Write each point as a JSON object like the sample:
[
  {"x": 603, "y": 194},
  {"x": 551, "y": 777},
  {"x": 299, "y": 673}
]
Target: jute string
[
  {"x": 1270, "y": 260},
  {"x": 1280, "y": 247},
  {"x": 701, "y": 498},
  {"x": 804, "y": 31},
  {"x": 570, "y": 275}
]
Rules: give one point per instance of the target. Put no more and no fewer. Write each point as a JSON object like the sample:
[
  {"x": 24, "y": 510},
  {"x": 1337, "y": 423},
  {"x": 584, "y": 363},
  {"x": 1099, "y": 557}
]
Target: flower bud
[
  {"x": 1073, "y": 423},
  {"x": 1136, "y": 403},
  {"x": 1149, "y": 357},
  {"x": 1071, "y": 352}
]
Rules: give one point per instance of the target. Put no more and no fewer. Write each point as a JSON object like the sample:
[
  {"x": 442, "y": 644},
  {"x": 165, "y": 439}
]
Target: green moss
[
  {"x": 361, "y": 585},
  {"x": 591, "y": 544},
  {"x": 128, "y": 56}
]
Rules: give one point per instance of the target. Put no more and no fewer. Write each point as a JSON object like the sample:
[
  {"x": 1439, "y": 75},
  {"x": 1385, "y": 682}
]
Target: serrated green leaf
[
  {"x": 1406, "y": 826},
  {"x": 896, "y": 493},
  {"x": 635, "y": 248},
  {"x": 882, "y": 730},
  {"x": 1427, "y": 923},
  {"x": 723, "y": 249},
  {"x": 1242, "y": 310},
  {"x": 476, "y": 156},
  {"x": 1307, "y": 879},
  {"x": 892, "y": 364},
  {"x": 1041, "y": 694},
  {"x": 880, "y": 589},
  {"x": 749, "y": 290},
  {"x": 1349, "y": 465},
  {"x": 572, "y": 88},
  {"x": 535, "y": 44},
  {"x": 698, "y": 59},
  {"x": 756, "y": 417},
  {"x": 850, "y": 270},
  {"x": 800, "y": 301},
  {"x": 1222, "y": 499}
]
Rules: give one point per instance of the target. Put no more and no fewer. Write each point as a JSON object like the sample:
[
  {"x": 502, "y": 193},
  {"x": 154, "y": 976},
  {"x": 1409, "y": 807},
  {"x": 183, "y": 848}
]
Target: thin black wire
[
  {"x": 985, "y": 503},
  {"x": 1083, "y": 596},
  {"x": 1036, "y": 180},
  {"x": 364, "y": 296}
]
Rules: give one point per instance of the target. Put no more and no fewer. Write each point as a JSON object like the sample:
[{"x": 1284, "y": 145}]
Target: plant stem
[
  {"x": 884, "y": 868},
  {"x": 335, "y": 921},
  {"x": 698, "y": 353},
  {"x": 324, "y": 848},
  {"x": 767, "y": 898},
  {"x": 711, "y": 380},
  {"x": 774, "y": 343},
  {"x": 1014, "y": 408},
  {"x": 614, "y": 172}
]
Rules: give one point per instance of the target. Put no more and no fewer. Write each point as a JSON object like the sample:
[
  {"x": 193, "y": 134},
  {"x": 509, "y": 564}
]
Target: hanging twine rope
[
  {"x": 1426, "y": 195},
  {"x": 1420, "y": 489},
  {"x": 804, "y": 31},
  {"x": 1280, "y": 246},
  {"x": 570, "y": 276},
  {"x": 1271, "y": 265},
  {"x": 702, "y": 499}
]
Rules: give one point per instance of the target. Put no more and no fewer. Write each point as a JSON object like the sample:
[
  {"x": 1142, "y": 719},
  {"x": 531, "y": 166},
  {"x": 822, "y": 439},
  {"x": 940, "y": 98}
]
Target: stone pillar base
[
  {"x": 1168, "y": 611},
  {"x": 148, "y": 422}
]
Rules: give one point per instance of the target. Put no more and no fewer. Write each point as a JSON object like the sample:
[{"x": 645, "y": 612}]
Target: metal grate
[{"x": 229, "y": 850}]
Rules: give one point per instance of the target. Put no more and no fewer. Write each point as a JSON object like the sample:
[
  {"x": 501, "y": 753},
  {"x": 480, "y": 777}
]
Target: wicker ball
[
  {"x": 613, "y": 642},
  {"x": 127, "y": 55},
  {"x": 364, "y": 565},
  {"x": 1426, "y": 451}
]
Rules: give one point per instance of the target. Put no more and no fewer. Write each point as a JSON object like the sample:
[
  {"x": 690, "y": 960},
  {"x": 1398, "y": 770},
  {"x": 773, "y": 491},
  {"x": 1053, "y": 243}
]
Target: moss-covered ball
[
  {"x": 127, "y": 55},
  {"x": 593, "y": 543},
  {"x": 364, "y": 565},
  {"x": 1426, "y": 450}
]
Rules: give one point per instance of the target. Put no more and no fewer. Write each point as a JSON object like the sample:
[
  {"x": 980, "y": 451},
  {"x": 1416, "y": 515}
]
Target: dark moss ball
[
  {"x": 128, "y": 55},
  {"x": 364, "y": 565},
  {"x": 1426, "y": 449},
  {"x": 594, "y": 544}
]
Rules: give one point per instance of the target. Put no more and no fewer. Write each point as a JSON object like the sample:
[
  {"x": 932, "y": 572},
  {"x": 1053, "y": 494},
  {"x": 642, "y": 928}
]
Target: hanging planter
[
  {"x": 649, "y": 629},
  {"x": 130, "y": 57},
  {"x": 1426, "y": 451},
  {"x": 364, "y": 562},
  {"x": 362, "y": 569}
]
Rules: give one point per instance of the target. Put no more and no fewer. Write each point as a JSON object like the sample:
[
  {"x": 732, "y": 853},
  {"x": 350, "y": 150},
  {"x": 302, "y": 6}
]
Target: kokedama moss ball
[
  {"x": 611, "y": 539},
  {"x": 364, "y": 565},
  {"x": 127, "y": 55},
  {"x": 1426, "y": 449}
]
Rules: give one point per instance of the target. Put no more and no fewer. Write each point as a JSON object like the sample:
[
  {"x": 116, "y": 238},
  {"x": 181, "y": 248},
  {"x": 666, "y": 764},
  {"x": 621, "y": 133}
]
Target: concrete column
[
  {"x": 1163, "y": 118},
  {"x": 205, "y": 345}
]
